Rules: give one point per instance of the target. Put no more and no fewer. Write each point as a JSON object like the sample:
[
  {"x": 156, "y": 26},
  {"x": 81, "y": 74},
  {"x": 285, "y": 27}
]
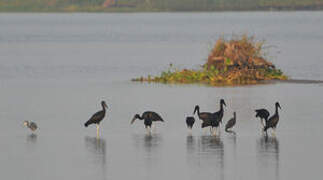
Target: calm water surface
[{"x": 55, "y": 68}]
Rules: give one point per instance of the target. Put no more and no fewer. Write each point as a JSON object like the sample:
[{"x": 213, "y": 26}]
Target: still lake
[{"x": 56, "y": 68}]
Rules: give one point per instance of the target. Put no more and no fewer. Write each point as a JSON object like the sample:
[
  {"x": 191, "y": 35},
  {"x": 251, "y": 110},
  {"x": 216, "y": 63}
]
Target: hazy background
[
  {"x": 56, "y": 68},
  {"x": 155, "y": 5}
]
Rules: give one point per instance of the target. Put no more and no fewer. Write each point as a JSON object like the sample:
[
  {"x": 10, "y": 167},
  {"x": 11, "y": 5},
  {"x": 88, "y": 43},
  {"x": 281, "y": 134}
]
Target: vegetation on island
[
  {"x": 239, "y": 61},
  {"x": 155, "y": 5}
]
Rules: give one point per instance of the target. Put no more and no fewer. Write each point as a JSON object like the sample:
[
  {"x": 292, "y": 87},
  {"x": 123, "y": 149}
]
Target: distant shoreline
[
  {"x": 128, "y": 6},
  {"x": 107, "y": 12}
]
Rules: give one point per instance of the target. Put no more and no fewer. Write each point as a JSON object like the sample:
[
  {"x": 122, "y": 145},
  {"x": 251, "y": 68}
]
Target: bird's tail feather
[{"x": 86, "y": 124}]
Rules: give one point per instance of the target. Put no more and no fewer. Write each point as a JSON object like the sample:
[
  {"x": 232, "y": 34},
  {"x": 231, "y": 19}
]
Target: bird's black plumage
[
  {"x": 190, "y": 122},
  {"x": 148, "y": 117},
  {"x": 263, "y": 114},
  {"x": 202, "y": 115},
  {"x": 219, "y": 114},
  {"x": 231, "y": 122},
  {"x": 273, "y": 120},
  {"x": 210, "y": 119},
  {"x": 98, "y": 116},
  {"x": 210, "y": 122},
  {"x": 207, "y": 118}
]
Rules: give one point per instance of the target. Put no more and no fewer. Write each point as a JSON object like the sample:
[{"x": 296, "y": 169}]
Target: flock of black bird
[{"x": 209, "y": 119}]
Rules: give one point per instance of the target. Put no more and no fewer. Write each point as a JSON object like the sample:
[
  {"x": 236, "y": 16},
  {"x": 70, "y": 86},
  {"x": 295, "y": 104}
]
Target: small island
[{"x": 238, "y": 61}]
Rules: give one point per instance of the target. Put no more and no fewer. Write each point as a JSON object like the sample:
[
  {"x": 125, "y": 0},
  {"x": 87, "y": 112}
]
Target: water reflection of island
[{"x": 268, "y": 157}]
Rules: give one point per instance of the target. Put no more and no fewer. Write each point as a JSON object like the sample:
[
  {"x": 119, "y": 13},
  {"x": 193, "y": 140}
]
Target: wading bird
[
  {"x": 207, "y": 118},
  {"x": 219, "y": 114},
  {"x": 97, "y": 117},
  {"x": 190, "y": 122},
  {"x": 31, "y": 125},
  {"x": 273, "y": 120},
  {"x": 263, "y": 114},
  {"x": 148, "y": 117},
  {"x": 211, "y": 119},
  {"x": 231, "y": 123}
]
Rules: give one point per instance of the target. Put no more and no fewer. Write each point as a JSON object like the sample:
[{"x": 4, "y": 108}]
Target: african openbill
[
  {"x": 148, "y": 117},
  {"x": 97, "y": 118},
  {"x": 231, "y": 123},
  {"x": 31, "y": 125},
  {"x": 263, "y": 114},
  {"x": 207, "y": 118},
  {"x": 273, "y": 120},
  {"x": 211, "y": 119},
  {"x": 190, "y": 122},
  {"x": 219, "y": 114}
]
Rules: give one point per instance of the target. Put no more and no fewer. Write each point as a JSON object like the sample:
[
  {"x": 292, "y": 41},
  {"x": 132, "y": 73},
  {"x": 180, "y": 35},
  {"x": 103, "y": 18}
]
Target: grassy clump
[{"x": 238, "y": 61}]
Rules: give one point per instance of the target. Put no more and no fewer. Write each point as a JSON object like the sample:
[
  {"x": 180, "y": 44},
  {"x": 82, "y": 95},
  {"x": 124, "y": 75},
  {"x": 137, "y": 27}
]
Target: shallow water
[{"x": 55, "y": 68}]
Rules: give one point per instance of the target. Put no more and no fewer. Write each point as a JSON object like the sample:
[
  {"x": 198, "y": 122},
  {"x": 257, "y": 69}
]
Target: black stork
[
  {"x": 263, "y": 114},
  {"x": 31, "y": 125},
  {"x": 97, "y": 118},
  {"x": 231, "y": 123},
  {"x": 148, "y": 117},
  {"x": 190, "y": 122},
  {"x": 273, "y": 120}
]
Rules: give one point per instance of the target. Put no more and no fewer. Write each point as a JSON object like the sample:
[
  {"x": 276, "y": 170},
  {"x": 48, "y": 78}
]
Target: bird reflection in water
[
  {"x": 151, "y": 141},
  {"x": 190, "y": 144},
  {"x": 97, "y": 148},
  {"x": 211, "y": 155},
  {"x": 32, "y": 138},
  {"x": 268, "y": 154},
  {"x": 148, "y": 143},
  {"x": 148, "y": 147}
]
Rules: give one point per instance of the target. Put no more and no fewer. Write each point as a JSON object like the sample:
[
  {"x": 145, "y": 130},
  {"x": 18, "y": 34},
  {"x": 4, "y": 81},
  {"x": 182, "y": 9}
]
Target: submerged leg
[
  {"x": 148, "y": 129},
  {"x": 153, "y": 128},
  {"x": 265, "y": 132},
  {"x": 214, "y": 131},
  {"x": 274, "y": 132},
  {"x": 97, "y": 130},
  {"x": 262, "y": 123},
  {"x": 189, "y": 131}
]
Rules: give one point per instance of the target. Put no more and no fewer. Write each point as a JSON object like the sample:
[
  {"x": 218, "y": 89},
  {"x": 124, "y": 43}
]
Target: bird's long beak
[
  {"x": 279, "y": 106},
  {"x": 133, "y": 120},
  {"x": 106, "y": 106},
  {"x": 224, "y": 104}
]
